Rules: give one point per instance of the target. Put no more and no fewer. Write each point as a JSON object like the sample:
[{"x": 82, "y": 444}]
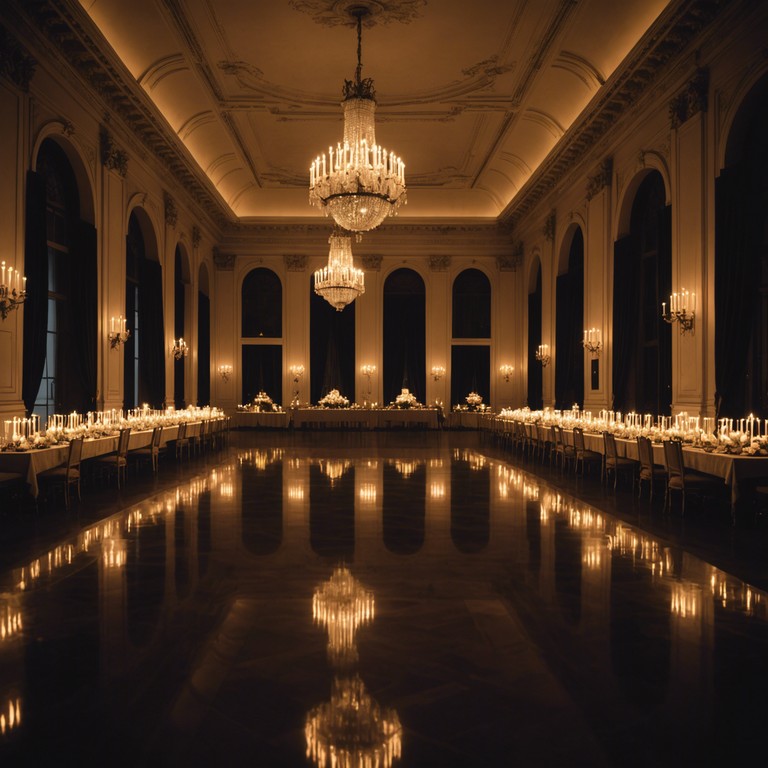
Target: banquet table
[
  {"x": 256, "y": 420},
  {"x": 31, "y": 463},
  {"x": 364, "y": 418},
  {"x": 463, "y": 420}
]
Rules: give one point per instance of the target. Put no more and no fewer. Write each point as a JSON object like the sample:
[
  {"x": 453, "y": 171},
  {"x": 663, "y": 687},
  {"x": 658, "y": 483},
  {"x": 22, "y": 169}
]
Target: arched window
[
  {"x": 203, "y": 339},
  {"x": 471, "y": 305},
  {"x": 262, "y": 329},
  {"x": 180, "y": 283},
  {"x": 535, "y": 384},
  {"x": 642, "y": 279},
  {"x": 60, "y": 313},
  {"x": 404, "y": 334},
  {"x": 569, "y": 365}
]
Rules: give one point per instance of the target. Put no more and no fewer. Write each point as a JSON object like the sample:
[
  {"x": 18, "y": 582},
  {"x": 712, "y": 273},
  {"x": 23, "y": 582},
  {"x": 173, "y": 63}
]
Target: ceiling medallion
[
  {"x": 335, "y": 13},
  {"x": 358, "y": 183}
]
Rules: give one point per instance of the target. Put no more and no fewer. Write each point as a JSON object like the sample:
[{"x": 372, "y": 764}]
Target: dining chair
[
  {"x": 117, "y": 460},
  {"x": 649, "y": 472},
  {"x": 584, "y": 455},
  {"x": 565, "y": 452},
  {"x": 615, "y": 463},
  {"x": 682, "y": 480},
  {"x": 67, "y": 474},
  {"x": 543, "y": 443},
  {"x": 150, "y": 452},
  {"x": 182, "y": 441}
]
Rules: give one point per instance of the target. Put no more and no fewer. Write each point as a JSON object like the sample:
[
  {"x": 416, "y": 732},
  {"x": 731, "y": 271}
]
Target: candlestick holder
[
  {"x": 684, "y": 319},
  {"x": 542, "y": 355},
  {"x": 368, "y": 371},
  {"x": 438, "y": 371},
  {"x": 116, "y": 338},
  {"x": 506, "y": 371},
  {"x": 11, "y": 295},
  {"x": 297, "y": 371},
  {"x": 225, "y": 371},
  {"x": 180, "y": 348}
]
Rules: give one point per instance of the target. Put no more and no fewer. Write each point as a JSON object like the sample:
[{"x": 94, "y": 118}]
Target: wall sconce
[
  {"x": 368, "y": 371},
  {"x": 225, "y": 371},
  {"x": 593, "y": 341},
  {"x": 118, "y": 333},
  {"x": 506, "y": 371},
  {"x": 180, "y": 348},
  {"x": 682, "y": 309},
  {"x": 542, "y": 355},
  {"x": 11, "y": 296},
  {"x": 438, "y": 371},
  {"x": 297, "y": 371}
]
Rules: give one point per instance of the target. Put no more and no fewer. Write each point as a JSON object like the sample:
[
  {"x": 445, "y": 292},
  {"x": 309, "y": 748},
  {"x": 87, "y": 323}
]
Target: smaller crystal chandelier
[
  {"x": 180, "y": 348},
  {"x": 359, "y": 183},
  {"x": 340, "y": 283}
]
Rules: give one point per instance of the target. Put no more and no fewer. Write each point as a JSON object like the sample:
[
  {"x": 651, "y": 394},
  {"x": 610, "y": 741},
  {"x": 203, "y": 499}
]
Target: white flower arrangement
[
  {"x": 263, "y": 403},
  {"x": 405, "y": 400},
  {"x": 334, "y": 399}
]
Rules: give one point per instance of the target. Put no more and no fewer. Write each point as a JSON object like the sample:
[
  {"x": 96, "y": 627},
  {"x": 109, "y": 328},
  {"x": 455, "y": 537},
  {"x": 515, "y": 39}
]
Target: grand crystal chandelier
[
  {"x": 359, "y": 183},
  {"x": 340, "y": 282}
]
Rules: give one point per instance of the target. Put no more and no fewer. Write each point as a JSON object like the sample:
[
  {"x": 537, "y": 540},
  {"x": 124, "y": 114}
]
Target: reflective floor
[{"x": 373, "y": 601}]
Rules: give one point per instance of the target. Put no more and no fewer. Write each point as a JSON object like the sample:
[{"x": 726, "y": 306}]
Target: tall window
[
  {"x": 569, "y": 365},
  {"x": 179, "y": 312},
  {"x": 471, "y": 359},
  {"x": 203, "y": 340},
  {"x": 535, "y": 383}
]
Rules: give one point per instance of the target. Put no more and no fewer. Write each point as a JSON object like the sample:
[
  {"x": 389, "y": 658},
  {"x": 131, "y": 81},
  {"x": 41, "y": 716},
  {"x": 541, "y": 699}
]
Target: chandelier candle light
[
  {"x": 340, "y": 282},
  {"x": 180, "y": 348},
  {"x": 682, "y": 309},
  {"x": 438, "y": 371},
  {"x": 506, "y": 371},
  {"x": 225, "y": 371},
  {"x": 592, "y": 341},
  {"x": 542, "y": 355},
  {"x": 118, "y": 333},
  {"x": 297, "y": 371},
  {"x": 359, "y": 183},
  {"x": 12, "y": 294}
]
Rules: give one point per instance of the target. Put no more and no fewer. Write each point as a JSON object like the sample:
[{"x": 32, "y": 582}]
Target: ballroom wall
[{"x": 678, "y": 125}]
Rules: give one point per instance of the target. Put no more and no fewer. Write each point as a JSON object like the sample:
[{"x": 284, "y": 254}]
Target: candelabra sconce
[
  {"x": 592, "y": 341},
  {"x": 12, "y": 295},
  {"x": 225, "y": 371},
  {"x": 368, "y": 371},
  {"x": 682, "y": 310},
  {"x": 542, "y": 355},
  {"x": 506, "y": 371},
  {"x": 297, "y": 371},
  {"x": 438, "y": 371},
  {"x": 118, "y": 333},
  {"x": 180, "y": 348}
]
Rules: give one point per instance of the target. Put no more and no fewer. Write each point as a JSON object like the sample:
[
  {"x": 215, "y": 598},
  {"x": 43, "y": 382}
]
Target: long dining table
[
  {"x": 736, "y": 470},
  {"x": 31, "y": 463}
]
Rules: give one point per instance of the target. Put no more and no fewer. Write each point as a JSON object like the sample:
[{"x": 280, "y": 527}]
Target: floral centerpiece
[
  {"x": 405, "y": 400},
  {"x": 739, "y": 444},
  {"x": 334, "y": 399},
  {"x": 263, "y": 403}
]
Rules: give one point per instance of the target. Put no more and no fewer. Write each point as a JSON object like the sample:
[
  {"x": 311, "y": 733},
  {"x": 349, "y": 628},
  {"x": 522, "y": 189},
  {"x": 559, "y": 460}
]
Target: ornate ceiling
[{"x": 474, "y": 96}]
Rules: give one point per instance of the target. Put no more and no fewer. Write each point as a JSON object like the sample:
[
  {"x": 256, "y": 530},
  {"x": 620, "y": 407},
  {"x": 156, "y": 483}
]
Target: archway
[{"x": 569, "y": 365}]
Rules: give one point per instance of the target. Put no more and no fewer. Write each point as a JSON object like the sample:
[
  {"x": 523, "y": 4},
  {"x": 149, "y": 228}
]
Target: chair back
[
  {"x": 609, "y": 443},
  {"x": 75, "y": 453},
  {"x": 122, "y": 442},
  {"x": 673, "y": 456},
  {"x": 157, "y": 436},
  {"x": 182, "y": 433},
  {"x": 645, "y": 454},
  {"x": 557, "y": 431},
  {"x": 578, "y": 440}
]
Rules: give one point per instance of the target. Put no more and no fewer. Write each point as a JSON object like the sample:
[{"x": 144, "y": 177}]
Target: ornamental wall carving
[
  {"x": 112, "y": 157},
  {"x": 15, "y": 62},
  {"x": 439, "y": 263},
  {"x": 691, "y": 100},
  {"x": 171, "y": 212},
  {"x": 295, "y": 262},
  {"x": 371, "y": 262},
  {"x": 224, "y": 262},
  {"x": 601, "y": 179}
]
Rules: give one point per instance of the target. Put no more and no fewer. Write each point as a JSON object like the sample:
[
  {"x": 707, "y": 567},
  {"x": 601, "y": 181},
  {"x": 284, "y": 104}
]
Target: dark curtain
[
  {"x": 35, "y": 308},
  {"x": 83, "y": 292},
  {"x": 535, "y": 386},
  {"x": 470, "y": 372},
  {"x": 262, "y": 304},
  {"x": 262, "y": 371},
  {"x": 626, "y": 300},
  {"x": 404, "y": 335},
  {"x": 471, "y": 305},
  {"x": 664, "y": 328},
  {"x": 569, "y": 365},
  {"x": 152, "y": 331},
  {"x": 332, "y": 354},
  {"x": 203, "y": 349},
  {"x": 179, "y": 314},
  {"x": 737, "y": 239}
]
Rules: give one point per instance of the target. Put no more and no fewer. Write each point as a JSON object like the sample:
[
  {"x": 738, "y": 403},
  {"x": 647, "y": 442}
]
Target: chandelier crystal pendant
[
  {"x": 340, "y": 282},
  {"x": 359, "y": 183}
]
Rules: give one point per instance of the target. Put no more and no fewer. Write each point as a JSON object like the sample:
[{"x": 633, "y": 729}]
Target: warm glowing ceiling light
[{"x": 358, "y": 183}]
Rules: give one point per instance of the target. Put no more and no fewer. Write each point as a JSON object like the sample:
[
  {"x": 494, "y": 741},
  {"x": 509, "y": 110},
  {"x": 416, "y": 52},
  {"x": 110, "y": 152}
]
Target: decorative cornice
[
  {"x": 371, "y": 262},
  {"x": 548, "y": 230},
  {"x": 15, "y": 62},
  {"x": 171, "y": 213},
  {"x": 439, "y": 263},
  {"x": 112, "y": 157},
  {"x": 196, "y": 236},
  {"x": 601, "y": 179},
  {"x": 295, "y": 262},
  {"x": 224, "y": 262},
  {"x": 691, "y": 100},
  {"x": 662, "y": 45}
]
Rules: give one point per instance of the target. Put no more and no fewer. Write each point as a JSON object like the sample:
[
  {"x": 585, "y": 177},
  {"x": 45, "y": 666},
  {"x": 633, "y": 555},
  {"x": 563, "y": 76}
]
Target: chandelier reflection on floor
[
  {"x": 358, "y": 183},
  {"x": 340, "y": 282}
]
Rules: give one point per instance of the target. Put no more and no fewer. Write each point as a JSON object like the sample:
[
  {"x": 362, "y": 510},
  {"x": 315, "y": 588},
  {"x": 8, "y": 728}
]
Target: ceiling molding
[
  {"x": 335, "y": 13},
  {"x": 581, "y": 68}
]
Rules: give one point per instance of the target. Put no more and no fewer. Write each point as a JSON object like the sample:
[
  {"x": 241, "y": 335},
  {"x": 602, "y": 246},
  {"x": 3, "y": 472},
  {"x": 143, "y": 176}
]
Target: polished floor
[{"x": 401, "y": 599}]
